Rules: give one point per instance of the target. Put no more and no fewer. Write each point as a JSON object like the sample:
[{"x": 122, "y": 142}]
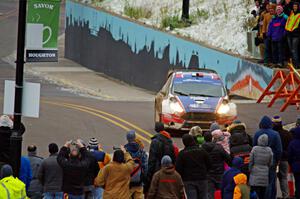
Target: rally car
[{"x": 193, "y": 98}]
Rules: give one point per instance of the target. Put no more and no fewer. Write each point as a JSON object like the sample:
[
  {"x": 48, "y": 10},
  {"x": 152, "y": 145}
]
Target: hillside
[{"x": 219, "y": 23}]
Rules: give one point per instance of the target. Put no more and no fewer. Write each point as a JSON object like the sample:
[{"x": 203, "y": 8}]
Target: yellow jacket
[
  {"x": 241, "y": 190},
  {"x": 12, "y": 188},
  {"x": 115, "y": 179}
]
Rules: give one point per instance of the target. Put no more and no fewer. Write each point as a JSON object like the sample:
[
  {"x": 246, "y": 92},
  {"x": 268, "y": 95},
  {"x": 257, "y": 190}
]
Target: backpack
[{"x": 137, "y": 173}]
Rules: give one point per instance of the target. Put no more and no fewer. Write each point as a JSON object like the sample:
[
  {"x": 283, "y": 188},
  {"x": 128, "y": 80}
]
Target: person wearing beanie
[
  {"x": 228, "y": 184},
  {"x": 161, "y": 144},
  {"x": 286, "y": 137},
  {"x": 35, "y": 189},
  {"x": 276, "y": 32},
  {"x": 221, "y": 138},
  {"x": 274, "y": 143},
  {"x": 238, "y": 129},
  {"x": 166, "y": 182},
  {"x": 293, "y": 32},
  {"x": 218, "y": 157},
  {"x": 11, "y": 187},
  {"x": 197, "y": 134},
  {"x": 140, "y": 158},
  {"x": 193, "y": 164},
  {"x": 115, "y": 176},
  {"x": 50, "y": 174},
  {"x": 214, "y": 126},
  {"x": 73, "y": 160}
]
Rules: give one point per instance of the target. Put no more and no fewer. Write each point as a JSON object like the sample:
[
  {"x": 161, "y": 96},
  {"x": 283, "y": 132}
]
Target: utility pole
[{"x": 16, "y": 137}]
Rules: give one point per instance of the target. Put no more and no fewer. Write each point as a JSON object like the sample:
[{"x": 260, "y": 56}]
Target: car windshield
[{"x": 198, "y": 89}]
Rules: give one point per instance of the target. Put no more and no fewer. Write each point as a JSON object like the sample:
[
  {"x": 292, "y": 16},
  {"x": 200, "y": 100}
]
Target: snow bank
[{"x": 224, "y": 28}]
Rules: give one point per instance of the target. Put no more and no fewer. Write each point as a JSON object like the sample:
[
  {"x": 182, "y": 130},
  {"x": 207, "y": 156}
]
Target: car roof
[{"x": 194, "y": 70}]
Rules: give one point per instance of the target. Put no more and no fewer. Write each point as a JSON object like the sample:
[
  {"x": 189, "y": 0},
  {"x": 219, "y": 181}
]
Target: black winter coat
[
  {"x": 74, "y": 171},
  {"x": 193, "y": 163},
  {"x": 93, "y": 169},
  {"x": 217, "y": 157},
  {"x": 286, "y": 137}
]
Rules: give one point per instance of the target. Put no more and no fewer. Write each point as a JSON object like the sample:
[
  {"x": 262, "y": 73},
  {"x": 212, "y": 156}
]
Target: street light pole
[{"x": 16, "y": 137}]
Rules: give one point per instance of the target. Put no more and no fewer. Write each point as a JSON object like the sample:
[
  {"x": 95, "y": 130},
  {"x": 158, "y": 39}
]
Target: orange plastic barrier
[{"x": 288, "y": 90}]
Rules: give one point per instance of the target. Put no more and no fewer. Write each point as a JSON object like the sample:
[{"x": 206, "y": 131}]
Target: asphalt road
[{"x": 64, "y": 115}]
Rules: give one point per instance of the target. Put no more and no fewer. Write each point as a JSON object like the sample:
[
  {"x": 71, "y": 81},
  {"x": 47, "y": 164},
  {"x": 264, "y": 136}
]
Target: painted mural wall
[{"x": 142, "y": 56}]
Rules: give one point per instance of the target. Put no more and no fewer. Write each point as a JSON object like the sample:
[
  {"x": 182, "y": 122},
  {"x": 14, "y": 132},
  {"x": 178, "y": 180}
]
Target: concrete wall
[{"x": 141, "y": 56}]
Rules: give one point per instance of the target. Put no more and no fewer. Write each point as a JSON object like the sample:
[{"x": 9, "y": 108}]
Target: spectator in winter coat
[
  {"x": 239, "y": 144},
  {"x": 139, "y": 173},
  {"x": 50, "y": 174},
  {"x": 115, "y": 176},
  {"x": 276, "y": 146},
  {"x": 166, "y": 183},
  {"x": 218, "y": 157},
  {"x": 25, "y": 173},
  {"x": 221, "y": 138},
  {"x": 6, "y": 125},
  {"x": 286, "y": 138},
  {"x": 197, "y": 134},
  {"x": 228, "y": 184},
  {"x": 161, "y": 145},
  {"x": 102, "y": 158},
  {"x": 276, "y": 33},
  {"x": 193, "y": 165},
  {"x": 35, "y": 188},
  {"x": 92, "y": 172},
  {"x": 241, "y": 190},
  {"x": 73, "y": 160},
  {"x": 261, "y": 160},
  {"x": 294, "y": 158},
  {"x": 265, "y": 25},
  {"x": 10, "y": 187},
  {"x": 293, "y": 33}
]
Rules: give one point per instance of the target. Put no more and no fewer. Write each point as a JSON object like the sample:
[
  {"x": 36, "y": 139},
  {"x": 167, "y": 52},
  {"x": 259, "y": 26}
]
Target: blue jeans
[
  {"x": 75, "y": 196},
  {"x": 294, "y": 45},
  {"x": 98, "y": 192},
  {"x": 55, "y": 195},
  {"x": 271, "y": 191}
]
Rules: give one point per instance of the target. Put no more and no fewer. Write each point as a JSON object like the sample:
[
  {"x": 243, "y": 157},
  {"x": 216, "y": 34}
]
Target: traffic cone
[{"x": 291, "y": 183}]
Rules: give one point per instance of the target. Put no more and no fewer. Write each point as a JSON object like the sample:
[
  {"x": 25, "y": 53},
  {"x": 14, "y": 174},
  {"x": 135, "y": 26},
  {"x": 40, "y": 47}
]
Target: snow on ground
[{"x": 222, "y": 25}]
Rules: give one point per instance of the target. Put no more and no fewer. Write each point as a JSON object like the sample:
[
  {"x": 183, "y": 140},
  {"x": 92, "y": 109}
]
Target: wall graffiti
[{"x": 141, "y": 56}]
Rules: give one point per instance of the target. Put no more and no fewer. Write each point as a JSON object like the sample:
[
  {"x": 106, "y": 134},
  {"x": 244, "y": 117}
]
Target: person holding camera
[
  {"x": 73, "y": 160},
  {"x": 115, "y": 176}
]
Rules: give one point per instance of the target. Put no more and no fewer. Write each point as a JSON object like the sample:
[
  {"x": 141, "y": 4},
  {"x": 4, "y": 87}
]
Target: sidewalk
[{"x": 83, "y": 81}]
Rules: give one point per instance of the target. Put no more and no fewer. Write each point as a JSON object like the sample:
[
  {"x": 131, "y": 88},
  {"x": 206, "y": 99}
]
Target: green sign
[{"x": 42, "y": 30}]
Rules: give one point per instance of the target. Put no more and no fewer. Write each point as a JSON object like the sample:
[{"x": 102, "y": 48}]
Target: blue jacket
[
  {"x": 135, "y": 151},
  {"x": 274, "y": 138},
  {"x": 228, "y": 184},
  {"x": 294, "y": 151},
  {"x": 276, "y": 30},
  {"x": 25, "y": 174}
]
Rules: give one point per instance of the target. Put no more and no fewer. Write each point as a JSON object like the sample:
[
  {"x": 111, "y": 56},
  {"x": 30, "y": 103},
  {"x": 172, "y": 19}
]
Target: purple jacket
[
  {"x": 294, "y": 151},
  {"x": 276, "y": 29}
]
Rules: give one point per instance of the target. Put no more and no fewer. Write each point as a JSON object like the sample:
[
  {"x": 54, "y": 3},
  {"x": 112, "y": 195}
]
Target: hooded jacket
[
  {"x": 221, "y": 138},
  {"x": 276, "y": 30},
  {"x": 274, "y": 141},
  {"x": 241, "y": 190},
  {"x": 238, "y": 132},
  {"x": 166, "y": 184},
  {"x": 136, "y": 152},
  {"x": 11, "y": 187},
  {"x": 228, "y": 184},
  {"x": 115, "y": 179},
  {"x": 294, "y": 151},
  {"x": 218, "y": 157},
  {"x": 193, "y": 162},
  {"x": 261, "y": 159}
]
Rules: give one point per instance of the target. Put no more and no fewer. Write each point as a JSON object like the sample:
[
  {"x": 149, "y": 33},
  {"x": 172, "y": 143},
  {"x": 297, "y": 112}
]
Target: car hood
[{"x": 199, "y": 104}]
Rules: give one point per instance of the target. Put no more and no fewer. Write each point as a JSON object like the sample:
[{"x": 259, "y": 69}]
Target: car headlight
[
  {"x": 176, "y": 107},
  {"x": 227, "y": 109}
]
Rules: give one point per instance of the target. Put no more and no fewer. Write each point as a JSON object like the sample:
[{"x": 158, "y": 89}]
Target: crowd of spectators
[
  {"x": 278, "y": 31},
  {"x": 220, "y": 163}
]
